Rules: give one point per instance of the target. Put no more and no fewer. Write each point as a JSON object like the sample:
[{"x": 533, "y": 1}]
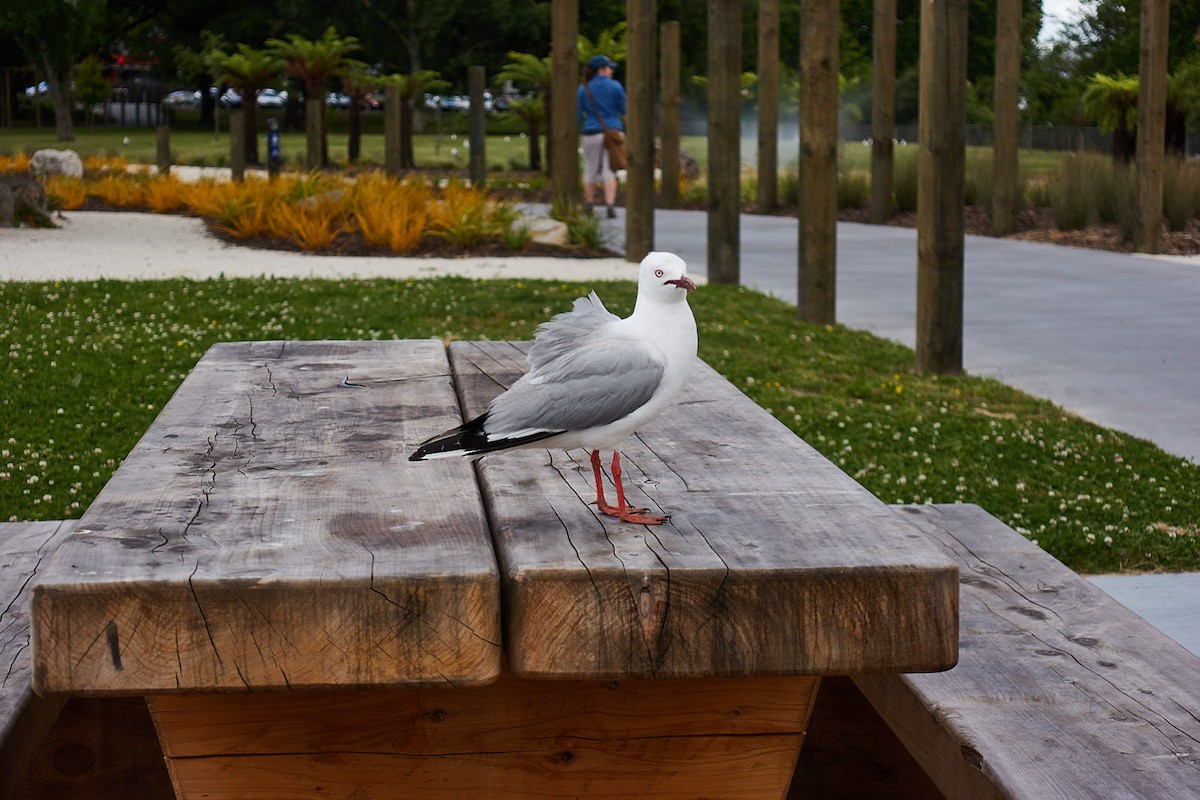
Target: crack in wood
[{"x": 203, "y": 616}]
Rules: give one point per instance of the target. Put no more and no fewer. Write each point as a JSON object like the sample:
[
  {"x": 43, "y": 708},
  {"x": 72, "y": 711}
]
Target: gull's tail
[{"x": 471, "y": 440}]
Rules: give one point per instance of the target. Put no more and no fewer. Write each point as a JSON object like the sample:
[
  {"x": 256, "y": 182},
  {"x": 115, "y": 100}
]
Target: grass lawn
[
  {"x": 504, "y": 150},
  {"x": 88, "y": 365}
]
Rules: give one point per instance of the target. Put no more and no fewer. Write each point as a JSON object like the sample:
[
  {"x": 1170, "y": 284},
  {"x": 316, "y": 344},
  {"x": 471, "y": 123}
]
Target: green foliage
[
  {"x": 313, "y": 61},
  {"x": 612, "y": 42},
  {"x": 1111, "y": 101},
  {"x": 528, "y": 69}
]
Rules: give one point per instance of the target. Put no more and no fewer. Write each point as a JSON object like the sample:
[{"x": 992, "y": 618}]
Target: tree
[
  {"x": 54, "y": 35},
  {"x": 1111, "y": 101},
  {"x": 611, "y": 42},
  {"x": 412, "y": 86},
  {"x": 91, "y": 87},
  {"x": 193, "y": 65},
  {"x": 357, "y": 84},
  {"x": 528, "y": 69},
  {"x": 314, "y": 61},
  {"x": 250, "y": 71},
  {"x": 531, "y": 111}
]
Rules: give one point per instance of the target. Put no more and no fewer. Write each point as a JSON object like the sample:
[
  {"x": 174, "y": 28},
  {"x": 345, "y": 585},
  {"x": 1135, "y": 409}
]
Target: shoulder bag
[{"x": 614, "y": 140}]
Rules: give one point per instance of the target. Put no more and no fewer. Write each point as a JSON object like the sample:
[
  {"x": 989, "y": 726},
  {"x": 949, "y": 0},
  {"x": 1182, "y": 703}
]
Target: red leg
[{"x": 622, "y": 511}]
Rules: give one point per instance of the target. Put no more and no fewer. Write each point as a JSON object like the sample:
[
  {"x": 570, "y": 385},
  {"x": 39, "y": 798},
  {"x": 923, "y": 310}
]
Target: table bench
[
  {"x": 1060, "y": 691},
  {"x": 306, "y": 611}
]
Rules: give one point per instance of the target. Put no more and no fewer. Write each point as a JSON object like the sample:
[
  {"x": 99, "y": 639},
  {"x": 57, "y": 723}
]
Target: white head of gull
[{"x": 593, "y": 379}]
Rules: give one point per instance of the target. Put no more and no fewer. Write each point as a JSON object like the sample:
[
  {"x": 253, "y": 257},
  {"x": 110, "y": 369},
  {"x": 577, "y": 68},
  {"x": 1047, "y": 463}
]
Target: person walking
[{"x": 601, "y": 104}]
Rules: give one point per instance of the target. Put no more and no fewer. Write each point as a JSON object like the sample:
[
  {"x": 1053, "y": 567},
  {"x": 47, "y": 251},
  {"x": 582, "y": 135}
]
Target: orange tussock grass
[
  {"x": 16, "y": 163},
  {"x": 69, "y": 192},
  {"x": 98, "y": 163},
  {"x": 312, "y": 224},
  {"x": 120, "y": 191},
  {"x": 165, "y": 193},
  {"x": 389, "y": 213}
]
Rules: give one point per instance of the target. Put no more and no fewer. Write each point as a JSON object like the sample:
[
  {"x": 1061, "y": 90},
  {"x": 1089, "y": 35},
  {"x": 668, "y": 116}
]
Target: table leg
[{"x": 731, "y": 737}]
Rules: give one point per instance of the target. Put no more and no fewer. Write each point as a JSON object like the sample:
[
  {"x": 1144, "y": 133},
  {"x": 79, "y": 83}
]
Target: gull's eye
[{"x": 658, "y": 273}]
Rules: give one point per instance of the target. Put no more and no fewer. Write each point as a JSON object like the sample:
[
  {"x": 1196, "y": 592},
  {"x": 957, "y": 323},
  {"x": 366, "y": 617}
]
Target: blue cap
[{"x": 596, "y": 62}]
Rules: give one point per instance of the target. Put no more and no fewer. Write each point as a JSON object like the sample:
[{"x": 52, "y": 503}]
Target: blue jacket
[{"x": 610, "y": 98}]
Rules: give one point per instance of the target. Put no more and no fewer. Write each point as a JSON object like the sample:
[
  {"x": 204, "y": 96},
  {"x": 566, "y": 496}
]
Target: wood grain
[
  {"x": 100, "y": 748},
  {"x": 268, "y": 533},
  {"x": 512, "y": 739},
  {"x": 25, "y": 718},
  {"x": 1060, "y": 691},
  {"x": 774, "y": 563}
]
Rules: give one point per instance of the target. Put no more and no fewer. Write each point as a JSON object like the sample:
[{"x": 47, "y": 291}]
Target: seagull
[{"x": 594, "y": 379}]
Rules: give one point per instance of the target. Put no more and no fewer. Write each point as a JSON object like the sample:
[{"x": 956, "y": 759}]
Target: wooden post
[
  {"x": 163, "y": 149},
  {"x": 478, "y": 129},
  {"x": 564, "y": 129},
  {"x": 314, "y": 120},
  {"x": 237, "y": 146},
  {"x": 883, "y": 110},
  {"x": 639, "y": 177},
  {"x": 724, "y": 140},
  {"x": 1005, "y": 165},
  {"x": 669, "y": 86},
  {"x": 391, "y": 130},
  {"x": 768, "y": 105},
  {"x": 940, "y": 172},
  {"x": 818, "y": 161},
  {"x": 1151, "y": 125}
]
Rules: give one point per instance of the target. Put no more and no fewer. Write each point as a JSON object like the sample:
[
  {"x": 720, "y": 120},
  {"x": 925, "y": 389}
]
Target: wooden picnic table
[{"x": 308, "y": 613}]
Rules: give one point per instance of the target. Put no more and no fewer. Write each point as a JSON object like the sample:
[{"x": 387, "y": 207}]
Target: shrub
[
  {"x": 390, "y": 214},
  {"x": 1068, "y": 202},
  {"x": 854, "y": 188},
  {"x": 904, "y": 183},
  {"x": 120, "y": 190},
  {"x": 1181, "y": 192},
  {"x": 310, "y": 225},
  {"x": 68, "y": 193},
  {"x": 979, "y": 178},
  {"x": 17, "y": 163},
  {"x": 165, "y": 193}
]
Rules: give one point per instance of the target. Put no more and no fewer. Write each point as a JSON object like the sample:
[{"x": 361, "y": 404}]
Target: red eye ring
[{"x": 658, "y": 273}]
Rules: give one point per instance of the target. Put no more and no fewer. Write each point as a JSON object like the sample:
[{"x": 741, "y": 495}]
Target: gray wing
[
  {"x": 601, "y": 381},
  {"x": 569, "y": 332}
]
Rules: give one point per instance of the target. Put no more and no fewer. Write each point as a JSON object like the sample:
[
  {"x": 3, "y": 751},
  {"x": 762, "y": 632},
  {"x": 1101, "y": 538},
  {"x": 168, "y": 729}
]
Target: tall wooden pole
[
  {"x": 477, "y": 126},
  {"x": 1151, "y": 125},
  {"x": 669, "y": 86},
  {"x": 724, "y": 140},
  {"x": 391, "y": 130},
  {"x": 1005, "y": 165},
  {"x": 818, "y": 161},
  {"x": 768, "y": 105},
  {"x": 237, "y": 146},
  {"x": 639, "y": 177},
  {"x": 883, "y": 110},
  {"x": 564, "y": 132},
  {"x": 940, "y": 193}
]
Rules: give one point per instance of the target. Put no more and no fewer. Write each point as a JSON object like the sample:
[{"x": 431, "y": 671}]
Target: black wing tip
[
  {"x": 466, "y": 437},
  {"x": 469, "y": 439}
]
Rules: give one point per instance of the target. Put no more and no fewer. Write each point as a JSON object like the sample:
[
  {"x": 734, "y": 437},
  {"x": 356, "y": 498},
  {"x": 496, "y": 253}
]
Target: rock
[
  {"x": 23, "y": 201},
  {"x": 544, "y": 229},
  {"x": 56, "y": 162},
  {"x": 6, "y": 207}
]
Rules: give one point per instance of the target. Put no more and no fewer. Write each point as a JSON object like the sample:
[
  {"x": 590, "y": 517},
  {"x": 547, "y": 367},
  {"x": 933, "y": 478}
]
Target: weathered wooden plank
[
  {"x": 774, "y": 563},
  {"x": 268, "y": 532},
  {"x": 851, "y": 754},
  {"x": 25, "y": 718},
  {"x": 100, "y": 748},
  {"x": 512, "y": 739},
  {"x": 1060, "y": 691}
]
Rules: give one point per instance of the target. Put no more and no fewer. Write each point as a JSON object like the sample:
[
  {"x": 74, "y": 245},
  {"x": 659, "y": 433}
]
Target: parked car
[
  {"x": 270, "y": 98},
  {"x": 181, "y": 98}
]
